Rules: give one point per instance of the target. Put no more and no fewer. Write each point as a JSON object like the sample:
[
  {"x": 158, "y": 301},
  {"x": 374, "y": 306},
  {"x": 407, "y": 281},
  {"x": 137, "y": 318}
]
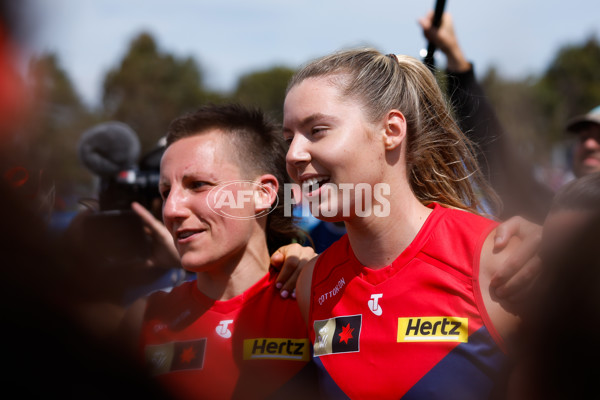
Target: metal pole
[{"x": 437, "y": 20}]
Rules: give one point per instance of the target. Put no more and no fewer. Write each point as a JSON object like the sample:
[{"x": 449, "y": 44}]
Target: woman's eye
[
  {"x": 318, "y": 129},
  {"x": 197, "y": 184},
  {"x": 164, "y": 193}
]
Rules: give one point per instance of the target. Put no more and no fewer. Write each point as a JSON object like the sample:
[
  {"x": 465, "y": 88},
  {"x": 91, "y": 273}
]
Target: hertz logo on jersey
[
  {"x": 276, "y": 349},
  {"x": 433, "y": 329}
]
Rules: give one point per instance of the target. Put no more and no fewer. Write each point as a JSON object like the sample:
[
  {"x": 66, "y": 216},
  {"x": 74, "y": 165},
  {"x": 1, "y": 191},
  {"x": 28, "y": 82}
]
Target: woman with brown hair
[{"x": 400, "y": 307}]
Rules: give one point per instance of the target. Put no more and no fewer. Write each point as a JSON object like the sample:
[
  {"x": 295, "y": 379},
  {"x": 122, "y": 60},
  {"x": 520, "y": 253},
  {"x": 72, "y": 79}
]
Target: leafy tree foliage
[
  {"x": 517, "y": 110},
  {"x": 149, "y": 88},
  {"x": 53, "y": 131},
  {"x": 265, "y": 89},
  {"x": 535, "y": 110},
  {"x": 570, "y": 86}
]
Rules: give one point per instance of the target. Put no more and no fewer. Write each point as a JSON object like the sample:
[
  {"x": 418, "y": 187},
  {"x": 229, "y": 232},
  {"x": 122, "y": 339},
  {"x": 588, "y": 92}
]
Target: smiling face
[
  {"x": 331, "y": 144},
  {"x": 587, "y": 151},
  {"x": 190, "y": 168}
]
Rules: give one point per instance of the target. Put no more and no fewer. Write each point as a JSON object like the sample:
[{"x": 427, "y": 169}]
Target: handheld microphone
[{"x": 114, "y": 235}]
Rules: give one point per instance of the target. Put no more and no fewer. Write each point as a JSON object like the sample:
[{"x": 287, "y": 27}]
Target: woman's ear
[
  {"x": 265, "y": 195},
  {"x": 394, "y": 129}
]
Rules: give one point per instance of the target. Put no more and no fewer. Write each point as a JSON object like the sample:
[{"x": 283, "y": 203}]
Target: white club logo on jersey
[
  {"x": 374, "y": 304},
  {"x": 223, "y": 330}
]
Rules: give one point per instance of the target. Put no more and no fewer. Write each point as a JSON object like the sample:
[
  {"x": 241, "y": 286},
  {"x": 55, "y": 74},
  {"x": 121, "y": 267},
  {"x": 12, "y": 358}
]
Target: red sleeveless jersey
[
  {"x": 414, "y": 329},
  {"x": 248, "y": 347}
]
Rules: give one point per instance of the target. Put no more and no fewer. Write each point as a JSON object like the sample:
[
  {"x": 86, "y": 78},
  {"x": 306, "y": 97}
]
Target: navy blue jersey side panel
[
  {"x": 469, "y": 372},
  {"x": 328, "y": 388},
  {"x": 303, "y": 386}
]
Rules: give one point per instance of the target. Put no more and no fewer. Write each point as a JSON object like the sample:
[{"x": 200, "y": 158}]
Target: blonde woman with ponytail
[{"x": 400, "y": 307}]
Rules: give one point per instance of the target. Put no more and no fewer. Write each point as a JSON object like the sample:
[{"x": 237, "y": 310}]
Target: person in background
[
  {"x": 558, "y": 340},
  {"x": 586, "y": 129},
  {"x": 508, "y": 173}
]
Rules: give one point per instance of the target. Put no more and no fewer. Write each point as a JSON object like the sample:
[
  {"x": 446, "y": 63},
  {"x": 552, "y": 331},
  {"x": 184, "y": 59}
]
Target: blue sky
[{"x": 232, "y": 37}]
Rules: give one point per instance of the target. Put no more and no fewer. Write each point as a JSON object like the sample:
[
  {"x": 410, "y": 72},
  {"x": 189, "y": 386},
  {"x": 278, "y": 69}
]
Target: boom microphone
[
  {"x": 437, "y": 20},
  {"x": 107, "y": 148}
]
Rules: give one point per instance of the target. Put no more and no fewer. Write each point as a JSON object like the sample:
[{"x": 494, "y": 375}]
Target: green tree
[
  {"x": 57, "y": 121},
  {"x": 570, "y": 85},
  {"x": 264, "y": 89},
  {"x": 149, "y": 88},
  {"x": 517, "y": 109},
  {"x": 534, "y": 110}
]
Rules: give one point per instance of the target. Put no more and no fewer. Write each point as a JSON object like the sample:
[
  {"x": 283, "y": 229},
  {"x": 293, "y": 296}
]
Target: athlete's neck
[
  {"x": 378, "y": 241},
  {"x": 236, "y": 274}
]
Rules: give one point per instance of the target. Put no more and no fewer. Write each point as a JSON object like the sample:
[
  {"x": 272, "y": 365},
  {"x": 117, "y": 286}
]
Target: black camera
[
  {"x": 139, "y": 184},
  {"x": 113, "y": 234}
]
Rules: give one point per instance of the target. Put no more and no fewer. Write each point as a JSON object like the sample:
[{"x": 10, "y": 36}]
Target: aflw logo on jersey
[
  {"x": 433, "y": 329},
  {"x": 337, "y": 335},
  {"x": 277, "y": 349}
]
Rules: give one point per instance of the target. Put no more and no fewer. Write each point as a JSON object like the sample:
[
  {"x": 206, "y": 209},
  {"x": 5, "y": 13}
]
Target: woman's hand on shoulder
[
  {"x": 518, "y": 240},
  {"x": 290, "y": 260},
  {"x": 509, "y": 267}
]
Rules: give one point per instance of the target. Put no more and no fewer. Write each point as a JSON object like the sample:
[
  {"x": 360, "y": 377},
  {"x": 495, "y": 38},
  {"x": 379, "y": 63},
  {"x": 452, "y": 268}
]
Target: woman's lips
[
  {"x": 312, "y": 186},
  {"x": 186, "y": 236}
]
